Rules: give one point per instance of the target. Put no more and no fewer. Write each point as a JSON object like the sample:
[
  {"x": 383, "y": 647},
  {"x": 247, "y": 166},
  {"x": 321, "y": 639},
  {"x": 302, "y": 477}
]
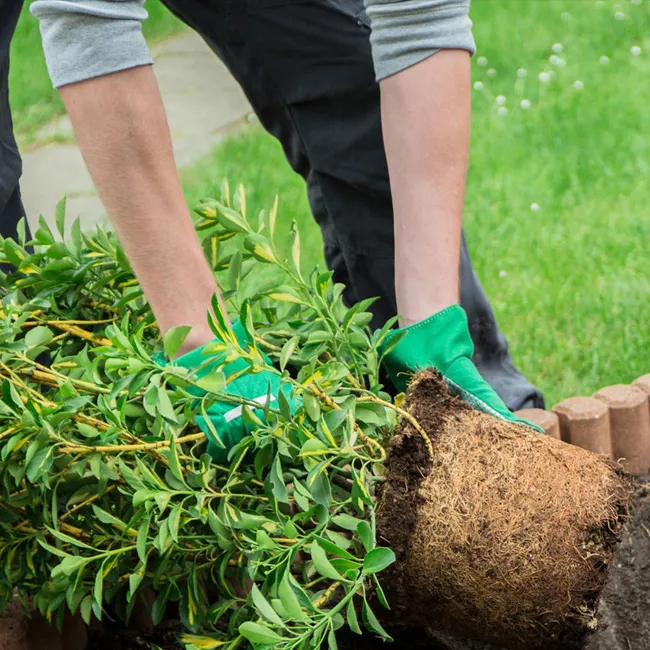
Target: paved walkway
[{"x": 203, "y": 104}]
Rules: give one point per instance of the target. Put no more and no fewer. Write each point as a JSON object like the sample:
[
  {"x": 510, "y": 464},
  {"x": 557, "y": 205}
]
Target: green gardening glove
[
  {"x": 443, "y": 342},
  {"x": 225, "y": 418}
]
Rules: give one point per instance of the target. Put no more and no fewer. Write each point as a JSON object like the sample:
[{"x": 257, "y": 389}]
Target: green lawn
[
  {"x": 33, "y": 99},
  {"x": 570, "y": 281}
]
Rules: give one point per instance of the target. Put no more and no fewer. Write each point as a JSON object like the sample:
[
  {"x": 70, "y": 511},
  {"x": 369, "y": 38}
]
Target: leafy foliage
[{"x": 106, "y": 489}]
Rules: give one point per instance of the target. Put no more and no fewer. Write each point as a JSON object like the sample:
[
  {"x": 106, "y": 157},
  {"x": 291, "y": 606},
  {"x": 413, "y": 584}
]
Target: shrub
[{"x": 106, "y": 489}]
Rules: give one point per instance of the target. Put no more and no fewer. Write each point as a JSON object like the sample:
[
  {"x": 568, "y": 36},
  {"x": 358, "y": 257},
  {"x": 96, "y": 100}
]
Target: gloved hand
[
  {"x": 226, "y": 417},
  {"x": 442, "y": 341}
]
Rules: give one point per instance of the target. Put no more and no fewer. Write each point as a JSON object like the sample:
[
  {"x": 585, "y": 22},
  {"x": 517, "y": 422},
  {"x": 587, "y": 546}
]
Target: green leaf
[
  {"x": 278, "y": 486},
  {"x": 264, "y": 607},
  {"x": 52, "y": 549},
  {"x": 314, "y": 448},
  {"x": 365, "y": 535},
  {"x": 59, "y": 216},
  {"x": 321, "y": 490},
  {"x": 295, "y": 246},
  {"x": 289, "y": 599},
  {"x": 374, "y": 414},
  {"x": 230, "y": 220},
  {"x": 174, "y": 520},
  {"x": 353, "y": 619},
  {"x": 40, "y": 335},
  {"x": 88, "y": 431},
  {"x": 283, "y": 405},
  {"x": 377, "y": 560},
  {"x": 174, "y": 339},
  {"x": 108, "y": 518},
  {"x": 258, "y": 633},
  {"x": 98, "y": 589},
  {"x": 260, "y": 247},
  {"x": 134, "y": 582},
  {"x": 69, "y": 565},
  {"x": 214, "y": 382},
  {"x": 273, "y": 215},
  {"x": 322, "y": 564},
  {"x": 287, "y": 350},
  {"x": 234, "y": 271},
  {"x": 69, "y": 540},
  {"x": 85, "y": 609},
  {"x": 346, "y": 522},
  {"x": 331, "y": 640},
  {"x": 203, "y": 642},
  {"x": 164, "y": 406},
  {"x": 371, "y": 622},
  {"x": 312, "y": 406},
  {"x": 141, "y": 544},
  {"x": 381, "y": 596}
]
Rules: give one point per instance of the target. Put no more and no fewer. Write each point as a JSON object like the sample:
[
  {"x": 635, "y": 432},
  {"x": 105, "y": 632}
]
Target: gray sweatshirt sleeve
[
  {"x": 405, "y": 32},
  {"x": 83, "y": 39}
]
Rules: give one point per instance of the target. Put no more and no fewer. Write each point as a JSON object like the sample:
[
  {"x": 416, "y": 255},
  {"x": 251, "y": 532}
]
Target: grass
[
  {"x": 569, "y": 277},
  {"x": 33, "y": 99}
]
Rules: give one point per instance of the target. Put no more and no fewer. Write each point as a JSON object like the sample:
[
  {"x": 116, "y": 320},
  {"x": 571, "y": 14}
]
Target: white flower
[
  {"x": 553, "y": 59},
  {"x": 522, "y": 72},
  {"x": 619, "y": 15},
  {"x": 558, "y": 48},
  {"x": 544, "y": 77},
  {"x": 503, "y": 274},
  {"x": 578, "y": 85},
  {"x": 535, "y": 207},
  {"x": 502, "y": 110},
  {"x": 604, "y": 60},
  {"x": 561, "y": 62},
  {"x": 566, "y": 16},
  {"x": 525, "y": 104},
  {"x": 636, "y": 2},
  {"x": 600, "y": 3},
  {"x": 478, "y": 85},
  {"x": 501, "y": 100},
  {"x": 636, "y": 50},
  {"x": 492, "y": 72},
  {"x": 482, "y": 61}
]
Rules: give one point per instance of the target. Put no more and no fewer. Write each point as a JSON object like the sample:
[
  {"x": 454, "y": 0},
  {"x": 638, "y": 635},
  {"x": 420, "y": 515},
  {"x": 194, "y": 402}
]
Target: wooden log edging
[{"x": 615, "y": 421}]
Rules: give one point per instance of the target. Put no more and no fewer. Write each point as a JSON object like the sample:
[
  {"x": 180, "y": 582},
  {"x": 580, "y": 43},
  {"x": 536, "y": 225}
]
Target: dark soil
[{"x": 117, "y": 637}]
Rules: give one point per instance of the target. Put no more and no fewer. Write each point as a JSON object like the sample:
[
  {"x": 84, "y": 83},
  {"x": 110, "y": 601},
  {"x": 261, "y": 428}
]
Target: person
[
  {"x": 307, "y": 68},
  {"x": 11, "y": 208}
]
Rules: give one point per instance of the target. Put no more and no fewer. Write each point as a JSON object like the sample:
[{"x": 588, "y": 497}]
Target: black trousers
[
  {"x": 306, "y": 68},
  {"x": 11, "y": 209}
]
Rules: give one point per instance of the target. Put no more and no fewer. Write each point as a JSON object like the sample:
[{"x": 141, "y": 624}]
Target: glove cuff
[{"x": 436, "y": 342}]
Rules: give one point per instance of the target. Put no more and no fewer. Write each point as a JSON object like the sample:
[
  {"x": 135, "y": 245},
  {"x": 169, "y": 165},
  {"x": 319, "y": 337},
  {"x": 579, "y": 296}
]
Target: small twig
[
  {"x": 77, "y": 331},
  {"x": 324, "y": 599},
  {"x": 54, "y": 323},
  {"x": 162, "y": 444},
  {"x": 412, "y": 420},
  {"x": 45, "y": 371}
]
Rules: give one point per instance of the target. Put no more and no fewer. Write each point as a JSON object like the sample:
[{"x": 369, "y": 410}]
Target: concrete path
[{"x": 203, "y": 103}]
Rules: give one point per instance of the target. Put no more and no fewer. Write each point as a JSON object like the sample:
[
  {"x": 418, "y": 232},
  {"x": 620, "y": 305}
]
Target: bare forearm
[
  {"x": 426, "y": 118},
  {"x": 122, "y": 130}
]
